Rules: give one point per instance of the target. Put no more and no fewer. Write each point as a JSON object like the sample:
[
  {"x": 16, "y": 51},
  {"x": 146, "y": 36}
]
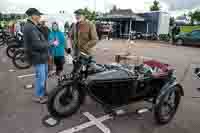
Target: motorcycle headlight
[{"x": 83, "y": 68}]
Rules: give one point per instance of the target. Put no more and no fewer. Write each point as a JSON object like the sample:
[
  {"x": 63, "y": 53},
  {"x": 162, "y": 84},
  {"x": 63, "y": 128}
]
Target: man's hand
[{"x": 93, "y": 37}]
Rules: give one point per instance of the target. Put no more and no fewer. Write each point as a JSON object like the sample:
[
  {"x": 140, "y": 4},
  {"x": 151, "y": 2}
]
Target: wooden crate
[{"x": 122, "y": 58}]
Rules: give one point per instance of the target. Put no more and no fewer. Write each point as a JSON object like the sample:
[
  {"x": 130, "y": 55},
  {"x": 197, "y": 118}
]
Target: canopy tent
[
  {"x": 120, "y": 17},
  {"x": 126, "y": 20}
]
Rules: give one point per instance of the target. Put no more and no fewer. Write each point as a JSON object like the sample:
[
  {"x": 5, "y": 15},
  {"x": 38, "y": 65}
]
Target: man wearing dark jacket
[
  {"x": 45, "y": 30},
  {"x": 37, "y": 51}
]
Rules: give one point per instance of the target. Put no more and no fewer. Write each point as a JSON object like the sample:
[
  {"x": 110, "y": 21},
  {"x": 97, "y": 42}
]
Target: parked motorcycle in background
[
  {"x": 20, "y": 59},
  {"x": 11, "y": 49},
  {"x": 6, "y": 38}
]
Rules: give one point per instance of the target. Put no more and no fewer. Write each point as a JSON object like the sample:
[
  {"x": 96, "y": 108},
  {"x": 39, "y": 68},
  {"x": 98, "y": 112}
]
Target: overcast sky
[{"x": 52, "y": 6}]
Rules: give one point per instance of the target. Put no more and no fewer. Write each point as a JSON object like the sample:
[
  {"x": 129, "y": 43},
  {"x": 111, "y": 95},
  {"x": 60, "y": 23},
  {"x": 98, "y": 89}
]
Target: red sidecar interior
[{"x": 165, "y": 68}]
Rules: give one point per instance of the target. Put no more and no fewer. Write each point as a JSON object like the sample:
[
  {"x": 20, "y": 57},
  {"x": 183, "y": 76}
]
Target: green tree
[
  {"x": 12, "y": 16},
  {"x": 1, "y": 16},
  {"x": 18, "y": 17},
  {"x": 195, "y": 16},
  {"x": 171, "y": 21},
  {"x": 155, "y": 6},
  {"x": 90, "y": 15}
]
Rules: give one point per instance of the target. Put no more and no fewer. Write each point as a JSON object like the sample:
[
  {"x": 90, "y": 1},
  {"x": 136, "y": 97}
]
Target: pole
[
  {"x": 147, "y": 31},
  {"x": 130, "y": 27},
  {"x": 120, "y": 30}
]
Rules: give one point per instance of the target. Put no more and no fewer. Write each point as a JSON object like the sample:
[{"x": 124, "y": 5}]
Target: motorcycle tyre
[
  {"x": 50, "y": 104},
  {"x": 14, "y": 59},
  {"x": 157, "y": 109}
]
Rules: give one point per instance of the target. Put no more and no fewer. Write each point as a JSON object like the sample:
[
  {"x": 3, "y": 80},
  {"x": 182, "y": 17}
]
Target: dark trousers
[{"x": 59, "y": 61}]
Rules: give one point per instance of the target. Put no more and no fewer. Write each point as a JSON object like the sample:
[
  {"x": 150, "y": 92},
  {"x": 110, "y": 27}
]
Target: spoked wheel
[
  {"x": 63, "y": 102},
  {"x": 1, "y": 41},
  {"x": 20, "y": 60},
  {"x": 165, "y": 110},
  {"x": 10, "y": 51}
]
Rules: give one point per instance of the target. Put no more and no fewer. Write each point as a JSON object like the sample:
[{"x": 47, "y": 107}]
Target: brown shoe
[
  {"x": 43, "y": 100},
  {"x": 36, "y": 99}
]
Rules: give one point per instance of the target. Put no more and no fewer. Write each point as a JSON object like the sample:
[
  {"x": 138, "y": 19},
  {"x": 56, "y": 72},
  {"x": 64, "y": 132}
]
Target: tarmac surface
[{"x": 19, "y": 114}]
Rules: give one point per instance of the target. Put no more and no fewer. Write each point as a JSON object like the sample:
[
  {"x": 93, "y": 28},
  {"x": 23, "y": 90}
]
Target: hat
[
  {"x": 79, "y": 12},
  {"x": 33, "y": 11}
]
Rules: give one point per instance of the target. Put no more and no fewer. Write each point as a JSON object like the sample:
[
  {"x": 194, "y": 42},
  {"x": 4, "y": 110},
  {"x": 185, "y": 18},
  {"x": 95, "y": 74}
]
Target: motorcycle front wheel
[
  {"x": 167, "y": 107},
  {"x": 64, "y": 101},
  {"x": 20, "y": 60}
]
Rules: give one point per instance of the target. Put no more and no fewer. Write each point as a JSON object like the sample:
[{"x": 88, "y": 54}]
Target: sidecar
[{"x": 152, "y": 81}]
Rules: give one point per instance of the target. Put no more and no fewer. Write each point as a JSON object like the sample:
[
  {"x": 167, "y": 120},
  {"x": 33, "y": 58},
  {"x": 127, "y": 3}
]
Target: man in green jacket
[{"x": 83, "y": 34}]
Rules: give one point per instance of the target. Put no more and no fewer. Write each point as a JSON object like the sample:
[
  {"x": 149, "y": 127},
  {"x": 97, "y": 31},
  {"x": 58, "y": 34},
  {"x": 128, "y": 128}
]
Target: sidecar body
[{"x": 124, "y": 84}]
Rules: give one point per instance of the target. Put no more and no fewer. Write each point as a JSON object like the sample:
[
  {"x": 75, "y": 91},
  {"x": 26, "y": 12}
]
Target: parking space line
[
  {"x": 100, "y": 125},
  {"x": 93, "y": 121},
  {"x": 24, "y": 76}
]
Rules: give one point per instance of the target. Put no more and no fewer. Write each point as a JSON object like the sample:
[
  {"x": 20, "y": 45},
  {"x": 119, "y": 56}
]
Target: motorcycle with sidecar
[{"x": 116, "y": 85}]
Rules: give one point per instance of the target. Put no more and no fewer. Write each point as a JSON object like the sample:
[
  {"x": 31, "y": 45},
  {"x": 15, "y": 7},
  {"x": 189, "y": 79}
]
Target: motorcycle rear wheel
[{"x": 64, "y": 101}]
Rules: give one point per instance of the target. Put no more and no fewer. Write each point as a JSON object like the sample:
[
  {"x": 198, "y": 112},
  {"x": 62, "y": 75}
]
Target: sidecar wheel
[
  {"x": 167, "y": 107},
  {"x": 63, "y": 102}
]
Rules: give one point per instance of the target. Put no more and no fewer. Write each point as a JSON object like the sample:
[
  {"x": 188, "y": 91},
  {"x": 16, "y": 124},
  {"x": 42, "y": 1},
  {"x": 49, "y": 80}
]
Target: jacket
[
  {"x": 58, "y": 50},
  {"x": 35, "y": 44},
  {"x": 84, "y": 36},
  {"x": 45, "y": 30}
]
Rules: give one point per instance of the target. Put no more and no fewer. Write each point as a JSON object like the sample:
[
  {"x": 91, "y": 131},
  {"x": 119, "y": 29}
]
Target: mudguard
[
  {"x": 167, "y": 88},
  {"x": 78, "y": 85}
]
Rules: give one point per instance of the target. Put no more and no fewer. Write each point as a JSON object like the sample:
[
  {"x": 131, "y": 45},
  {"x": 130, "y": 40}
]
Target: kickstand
[{"x": 110, "y": 112}]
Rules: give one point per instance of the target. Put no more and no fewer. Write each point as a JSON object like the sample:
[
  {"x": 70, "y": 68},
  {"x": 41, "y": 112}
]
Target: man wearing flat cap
[
  {"x": 37, "y": 51},
  {"x": 84, "y": 35}
]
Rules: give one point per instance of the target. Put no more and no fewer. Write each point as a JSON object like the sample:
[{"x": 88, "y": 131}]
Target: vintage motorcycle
[
  {"x": 20, "y": 59},
  {"x": 6, "y": 38},
  {"x": 11, "y": 49},
  {"x": 114, "y": 86}
]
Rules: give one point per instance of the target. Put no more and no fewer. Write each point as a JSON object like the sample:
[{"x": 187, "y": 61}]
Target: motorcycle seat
[{"x": 95, "y": 68}]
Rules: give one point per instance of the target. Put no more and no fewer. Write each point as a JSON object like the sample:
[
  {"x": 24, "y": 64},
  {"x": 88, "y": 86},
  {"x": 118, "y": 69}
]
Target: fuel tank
[{"x": 109, "y": 75}]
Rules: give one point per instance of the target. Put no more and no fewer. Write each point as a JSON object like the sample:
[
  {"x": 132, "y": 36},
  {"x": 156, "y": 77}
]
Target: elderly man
[
  {"x": 37, "y": 51},
  {"x": 83, "y": 34}
]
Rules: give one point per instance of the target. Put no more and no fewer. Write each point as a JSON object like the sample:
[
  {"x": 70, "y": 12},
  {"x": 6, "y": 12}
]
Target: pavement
[{"x": 19, "y": 114}]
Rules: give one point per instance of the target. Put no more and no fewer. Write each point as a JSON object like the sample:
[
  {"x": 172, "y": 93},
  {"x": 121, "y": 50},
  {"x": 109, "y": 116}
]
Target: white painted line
[
  {"x": 100, "y": 125},
  {"x": 29, "y": 86},
  {"x": 86, "y": 125},
  {"x": 11, "y": 70},
  {"x": 105, "y": 49},
  {"x": 24, "y": 76}
]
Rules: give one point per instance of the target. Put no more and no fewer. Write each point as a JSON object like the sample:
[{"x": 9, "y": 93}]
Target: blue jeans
[{"x": 41, "y": 71}]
